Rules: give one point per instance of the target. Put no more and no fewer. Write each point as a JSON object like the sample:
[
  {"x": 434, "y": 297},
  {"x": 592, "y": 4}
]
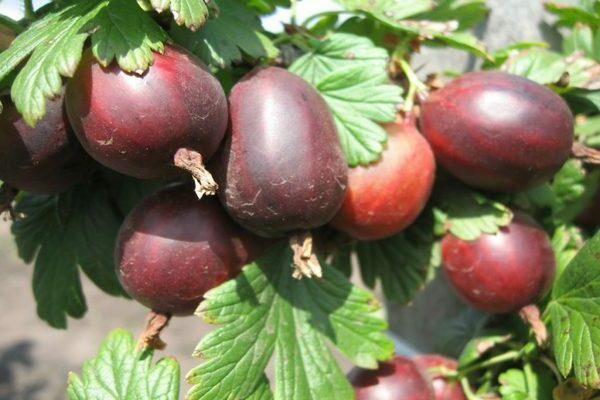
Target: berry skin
[
  {"x": 498, "y": 132},
  {"x": 503, "y": 272},
  {"x": 398, "y": 379},
  {"x": 385, "y": 197},
  {"x": 173, "y": 248},
  {"x": 444, "y": 389},
  {"x": 135, "y": 124},
  {"x": 44, "y": 159},
  {"x": 281, "y": 169}
]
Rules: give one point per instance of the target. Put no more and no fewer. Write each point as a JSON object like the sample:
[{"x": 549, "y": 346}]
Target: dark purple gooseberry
[
  {"x": 137, "y": 124},
  {"x": 46, "y": 158},
  {"x": 398, "y": 379},
  {"x": 497, "y": 131},
  {"x": 502, "y": 272},
  {"x": 281, "y": 169},
  {"x": 173, "y": 248}
]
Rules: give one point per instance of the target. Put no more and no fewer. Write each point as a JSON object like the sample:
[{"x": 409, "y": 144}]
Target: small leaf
[
  {"x": 123, "y": 31},
  {"x": 573, "y": 311},
  {"x": 190, "y": 13},
  {"x": 481, "y": 343},
  {"x": 120, "y": 371},
  {"x": 566, "y": 243},
  {"x": 467, "y": 214},
  {"x": 265, "y": 311},
  {"x": 527, "y": 384}
]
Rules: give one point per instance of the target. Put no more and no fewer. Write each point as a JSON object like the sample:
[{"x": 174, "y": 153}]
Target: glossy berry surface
[
  {"x": 443, "y": 388},
  {"x": 135, "y": 124},
  {"x": 399, "y": 379},
  {"x": 46, "y": 158},
  {"x": 173, "y": 248},
  {"x": 281, "y": 169},
  {"x": 497, "y": 131},
  {"x": 384, "y": 198},
  {"x": 501, "y": 273}
]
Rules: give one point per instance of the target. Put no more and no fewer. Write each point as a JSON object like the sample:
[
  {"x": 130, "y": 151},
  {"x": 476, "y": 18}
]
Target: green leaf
[
  {"x": 60, "y": 232},
  {"x": 403, "y": 263},
  {"x": 358, "y": 97},
  {"x": 466, "y": 12},
  {"x": 580, "y": 39},
  {"x": 190, "y": 13},
  {"x": 573, "y": 313},
  {"x": 546, "y": 67},
  {"x": 569, "y": 15},
  {"x": 588, "y": 130},
  {"x": 120, "y": 371},
  {"x": 539, "y": 65},
  {"x": 481, "y": 343},
  {"x": 467, "y": 214},
  {"x": 527, "y": 384},
  {"x": 120, "y": 29},
  {"x": 264, "y": 311},
  {"x": 123, "y": 31},
  {"x": 500, "y": 56},
  {"x": 339, "y": 51},
  {"x": 54, "y": 47},
  {"x": 395, "y": 10},
  {"x": 583, "y": 101},
  {"x": 566, "y": 242},
  {"x": 393, "y": 13},
  {"x": 222, "y": 40}
]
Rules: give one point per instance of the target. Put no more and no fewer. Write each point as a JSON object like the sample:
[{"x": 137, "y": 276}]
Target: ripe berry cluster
[{"x": 271, "y": 153}]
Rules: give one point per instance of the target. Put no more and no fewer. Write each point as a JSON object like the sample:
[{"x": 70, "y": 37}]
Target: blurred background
[{"x": 35, "y": 359}]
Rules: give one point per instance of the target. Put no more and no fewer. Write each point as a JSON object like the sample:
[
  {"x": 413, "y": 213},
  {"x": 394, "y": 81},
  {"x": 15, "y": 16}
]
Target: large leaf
[
  {"x": 439, "y": 29},
  {"x": 120, "y": 29},
  {"x": 339, "y": 51},
  {"x": 222, "y": 40},
  {"x": 403, "y": 263},
  {"x": 573, "y": 312},
  {"x": 350, "y": 72},
  {"x": 119, "y": 371},
  {"x": 60, "y": 233},
  {"x": 264, "y": 311},
  {"x": 358, "y": 97}
]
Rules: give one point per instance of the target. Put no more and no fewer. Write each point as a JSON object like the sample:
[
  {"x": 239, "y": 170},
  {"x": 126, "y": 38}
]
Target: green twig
[
  {"x": 293, "y": 11},
  {"x": 552, "y": 366},
  {"x": 415, "y": 86},
  {"x": 29, "y": 11},
  {"x": 466, "y": 387},
  {"x": 499, "y": 359},
  {"x": 310, "y": 19}
]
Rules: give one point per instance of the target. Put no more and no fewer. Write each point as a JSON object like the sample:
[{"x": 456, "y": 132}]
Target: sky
[{"x": 306, "y": 8}]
